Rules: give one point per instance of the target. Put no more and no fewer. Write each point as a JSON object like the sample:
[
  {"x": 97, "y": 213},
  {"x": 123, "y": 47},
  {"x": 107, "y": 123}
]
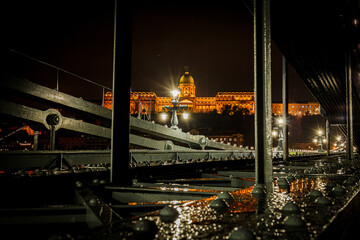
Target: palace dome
[{"x": 186, "y": 78}]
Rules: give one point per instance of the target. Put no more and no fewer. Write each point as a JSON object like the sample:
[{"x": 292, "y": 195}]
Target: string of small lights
[{"x": 8, "y": 135}]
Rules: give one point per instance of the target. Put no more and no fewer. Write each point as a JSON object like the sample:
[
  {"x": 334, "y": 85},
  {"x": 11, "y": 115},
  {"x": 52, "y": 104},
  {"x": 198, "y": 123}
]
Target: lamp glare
[
  {"x": 175, "y": 93},
  {"x": 163, "y": 116}
]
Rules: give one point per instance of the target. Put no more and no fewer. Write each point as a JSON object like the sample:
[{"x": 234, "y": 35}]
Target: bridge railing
[
  {"x": 59, "y": 70},
  {"x": 305, "y": 152}
]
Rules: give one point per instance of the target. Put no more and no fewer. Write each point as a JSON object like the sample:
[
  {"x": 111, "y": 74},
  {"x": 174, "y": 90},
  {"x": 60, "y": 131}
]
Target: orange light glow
[{"x": 28, "y": 130}]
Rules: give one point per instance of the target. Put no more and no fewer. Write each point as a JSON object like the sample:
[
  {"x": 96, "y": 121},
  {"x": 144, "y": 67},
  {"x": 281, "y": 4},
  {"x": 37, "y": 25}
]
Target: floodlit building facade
[{"x": 233, "y": 100}]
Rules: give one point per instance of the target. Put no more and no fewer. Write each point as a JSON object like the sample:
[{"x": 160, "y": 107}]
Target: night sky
[{"x": 214, "y": 41}]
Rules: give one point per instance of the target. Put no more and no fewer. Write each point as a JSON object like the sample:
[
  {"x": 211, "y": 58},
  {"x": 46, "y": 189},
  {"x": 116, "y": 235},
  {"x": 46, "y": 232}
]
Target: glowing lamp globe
[
  {"x": 175, "y": 93},
  {"x": 163, "y": 116}
]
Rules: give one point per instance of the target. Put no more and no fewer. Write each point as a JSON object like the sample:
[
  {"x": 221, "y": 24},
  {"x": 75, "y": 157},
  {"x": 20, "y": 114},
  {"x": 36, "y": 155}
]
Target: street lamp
[
  {"x": 320, "y": 139},
  {"x": 339, "y": 142},
  {"x": 163, "y": 116},
  {"x": 175, "y": 108},
  {"x": 175, "y": 93},
  {"x": 278, "y": 130}
]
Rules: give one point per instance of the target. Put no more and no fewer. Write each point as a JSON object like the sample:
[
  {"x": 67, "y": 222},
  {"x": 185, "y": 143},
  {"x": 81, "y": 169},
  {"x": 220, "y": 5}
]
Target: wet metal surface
[
  {"x": 320, "y": 190},
  {"x": 264, "y": 217}
]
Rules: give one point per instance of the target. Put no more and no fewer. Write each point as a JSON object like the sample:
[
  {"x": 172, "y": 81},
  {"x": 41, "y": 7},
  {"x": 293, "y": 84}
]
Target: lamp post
[
  {"x": 278, "y": 129},
  {"x": 339, "y": 140},
  {"x": 339, "y": 143},
  {"x": 319, "y": 139},
  {"x": 174, "y": 109}
]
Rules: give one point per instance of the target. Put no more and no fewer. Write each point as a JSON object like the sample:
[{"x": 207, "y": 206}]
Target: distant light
[
  {"x": 338, "y": 138},
  {"x": 315, "y": 140},
  {"x": 175, "y": 93},
  {"x": 355, "y": 22},
  {"x": 320, "y": 132},
  {"x": 274, "y": 133},
  {"x": 280, "y": 120},
  {"x": 324, "y": 140},
  {"x": 163, "y": 116},
  {"x": 185, "y": 115}
]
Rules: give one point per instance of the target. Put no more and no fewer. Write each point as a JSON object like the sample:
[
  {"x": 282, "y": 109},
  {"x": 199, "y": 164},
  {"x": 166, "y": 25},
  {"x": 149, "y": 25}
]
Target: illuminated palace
[{"x": 238, "y": 100}]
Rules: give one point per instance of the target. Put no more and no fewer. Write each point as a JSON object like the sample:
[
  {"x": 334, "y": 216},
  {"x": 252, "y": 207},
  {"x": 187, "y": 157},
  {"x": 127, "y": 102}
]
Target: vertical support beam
[
  {"x": 149, "y": 112},
  {"x": 139, "y": 110},
  {"x": 57, "y": 79},
  {"x": 120, "y": 130},
  {"x": 285, "y": 102},
  {"x": 36, "y": 140},
  {"x": 103, "y": 97},
  {"x": 262, "y": 90},
  {"x": 349, "y": 107},
  {"x": 52, "y": 137},
  {"x": 328, "y": 132}
]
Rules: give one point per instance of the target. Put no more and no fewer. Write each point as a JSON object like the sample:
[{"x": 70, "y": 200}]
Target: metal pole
[
  {"x": 349, "y": 108},
  {"x": 174, "y": 119},
  {"x": 320, "y": 148},
  {"x": 120, "y": 130},
  {"x": 149, "y": 113},
  {"x": 57, "y": 79},
  {"x": 262, "y": 90},
  {"x": 103, "y": 97},
  {"x": 285, "y": 101},
  {"x": 281, "y": 139},
  {"x": 328, "y": 132},
  {"x": 52, "y": 137},
  {"x": 36, "y": 140},
  {"x": 139, "y": 110}
]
